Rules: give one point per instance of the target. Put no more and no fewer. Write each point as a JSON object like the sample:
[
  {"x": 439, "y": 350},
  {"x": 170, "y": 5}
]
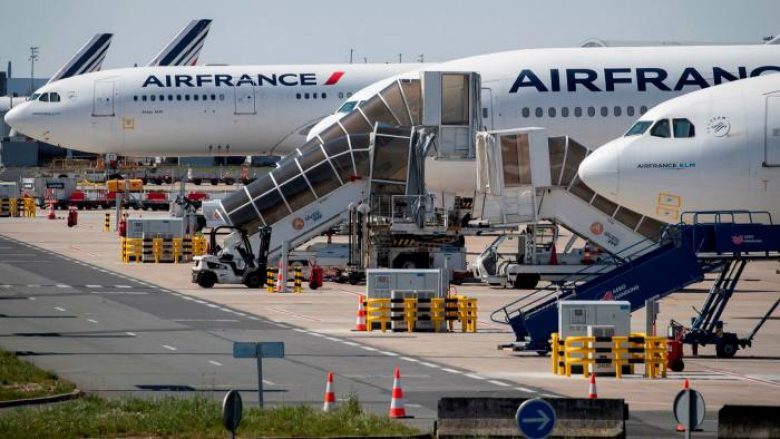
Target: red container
[
  {"x": 316, "y": 277},
  {"x": 73, "y": 216},
  {"x": 123, "y": 228},
  {"x": 674, "y": 356}
]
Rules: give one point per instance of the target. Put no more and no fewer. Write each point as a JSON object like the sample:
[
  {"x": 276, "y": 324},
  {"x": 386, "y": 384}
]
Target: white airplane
[
  {"x": 714, "y": 149},
  {"x": 184, "y": 49},
  {"x": 191, "y": 111},
  {"x": 590, "y": 94}
]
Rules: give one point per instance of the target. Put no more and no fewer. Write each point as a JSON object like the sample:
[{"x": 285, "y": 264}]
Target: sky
[{"x": 303, "y": 31}]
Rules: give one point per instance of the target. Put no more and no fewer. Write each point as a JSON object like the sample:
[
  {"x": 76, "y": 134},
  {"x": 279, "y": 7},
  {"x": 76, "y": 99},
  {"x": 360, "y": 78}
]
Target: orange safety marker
[
  {"x": 397, "y": 409},
  {"x": 360, "y": 321},
  {"x": 330, "y": 397},
  {"x": 52, "y": 214},
  {"x": 592, "y": 394},
  {"x": 279, "y": 277}
]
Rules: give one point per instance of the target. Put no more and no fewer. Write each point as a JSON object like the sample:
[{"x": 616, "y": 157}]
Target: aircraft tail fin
[
  {"x": 185, "y": 47},
  {"x": 88, "y": 59}
]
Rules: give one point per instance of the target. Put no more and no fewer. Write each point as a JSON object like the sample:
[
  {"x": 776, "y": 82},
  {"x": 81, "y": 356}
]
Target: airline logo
[
  {"x": 643, "y": 78},
  {"x": 259, "y": 80}
]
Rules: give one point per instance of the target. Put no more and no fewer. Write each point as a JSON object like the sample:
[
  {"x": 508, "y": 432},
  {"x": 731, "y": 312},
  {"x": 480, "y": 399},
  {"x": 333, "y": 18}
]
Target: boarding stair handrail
[{"x": 567, "y": 287}]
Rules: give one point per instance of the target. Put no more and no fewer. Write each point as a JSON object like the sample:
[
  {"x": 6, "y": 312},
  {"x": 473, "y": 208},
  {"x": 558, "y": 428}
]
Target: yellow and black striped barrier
[
  {"x": 18, "y": 207},
  {"x": 405, "y": 314},
  {"x": 158, "y": 249},
  {"x": 579, "y": 354},
  {"x": 107, "y": 222}
]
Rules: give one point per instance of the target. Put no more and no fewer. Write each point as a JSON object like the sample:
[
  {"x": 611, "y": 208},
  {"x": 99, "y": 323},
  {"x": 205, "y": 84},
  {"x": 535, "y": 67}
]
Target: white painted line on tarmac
[
  {"x": 525, "y": 389},
  {"x": 131, "y": 334},
  {"x": 225, "y": 310},
  {"x": 32, "y": 298},
  {"x": 169, "y": 347},
  {"x": 205, "y": 320},
  {"x": 131, "y": 293},
  {"x": 211, "y": 305},
  {"x": 240, "y": 314},
  {"x": 499, "y": 383},
  {"x": 270, "y": 383},
  {"x": 59, "y": 308},
  {"x": 426, "y": 364},
  {"x": 187, "y": 298},
  {"x": 93, "y": 286},
  {"x": 33, "y": 286},
  {"x": 201, "y": 301},
  {"x": 5, "y": 286},
  {"x": 253, "y": 318},
  {"x": 368, "y": 348},
  {"x": 331, "y": 338},
  {"x": 413, "y": 360},
  {"x": 92, "y": 321},
  {"x": 350, "y": 343},
  {"x": 389, "y": 354},
  {"x": 549, "y": 395},
  {"x": 123, "y": 286},
  {"x": 414, "y": 406},
  {"x": 446, "y": 369},
  {"x": 63, "y": 286},
  {"x": 475, "y": 376},
  {"x": 215, "y": 363},
  {"x": 316, "y": 334},
  {"x": 303, "y": 331}
]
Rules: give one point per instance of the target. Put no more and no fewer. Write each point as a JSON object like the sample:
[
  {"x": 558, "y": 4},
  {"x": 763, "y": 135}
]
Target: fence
[{"x": 582, "y": 353}]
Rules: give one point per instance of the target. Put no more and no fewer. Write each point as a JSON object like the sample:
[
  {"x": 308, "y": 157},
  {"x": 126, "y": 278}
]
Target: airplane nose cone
[
  {"x": 15, "y": 119},
  {"x": 599, "y": 171}
]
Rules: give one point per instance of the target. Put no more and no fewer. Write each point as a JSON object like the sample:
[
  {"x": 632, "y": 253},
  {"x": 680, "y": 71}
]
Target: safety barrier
[
  {"x": 199, "y": 246},
  {"x": 584, "y": 353},
  {"x": 405, "y": 314},
  {"x": 18, "y": 207},
  {"x": 298, "y": 280},
  {"x": 270, "y": 280},
  {"x": 158, "y": 249},
  {"x": 107, "y": 222}
]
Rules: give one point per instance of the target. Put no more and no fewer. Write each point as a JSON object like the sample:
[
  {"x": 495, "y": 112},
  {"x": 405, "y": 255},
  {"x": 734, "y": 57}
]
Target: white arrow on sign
[{"x": 542, "y": 420}]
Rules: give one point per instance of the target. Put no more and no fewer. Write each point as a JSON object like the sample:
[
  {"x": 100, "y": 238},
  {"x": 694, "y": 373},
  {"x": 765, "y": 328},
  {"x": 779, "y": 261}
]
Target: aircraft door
[
  {"x": 487, "y": 108},
  {"x": 103, "y": 103},
  {"x": 772, "y": 134},
  {"x": 245, "y": 99},
  {"x": 451, "y": 102}
]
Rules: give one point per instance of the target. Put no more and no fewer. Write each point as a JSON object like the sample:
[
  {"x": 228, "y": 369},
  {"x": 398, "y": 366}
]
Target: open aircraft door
[
  {"x": 772, "y": 134},
  {"x": 245, "y": 99},
  {"x": 452, "y": 103},
  {"x": 103, "y": 102}
]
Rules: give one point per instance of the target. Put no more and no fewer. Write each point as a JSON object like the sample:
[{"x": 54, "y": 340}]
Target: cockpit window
[
  {"x": 661, "y": 129},
  {"x": 34, "y": 96},
  {"x": 54, "y": 97},
  {"x": 639, "y": 128},
  {"x": 683, "y": 128},
  {"x": 347, "y": 107},
  {"x": 44, "y": 97}
]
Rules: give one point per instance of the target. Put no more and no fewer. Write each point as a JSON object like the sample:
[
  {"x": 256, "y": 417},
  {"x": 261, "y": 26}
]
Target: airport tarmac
[{"x": 60, "y": 267}]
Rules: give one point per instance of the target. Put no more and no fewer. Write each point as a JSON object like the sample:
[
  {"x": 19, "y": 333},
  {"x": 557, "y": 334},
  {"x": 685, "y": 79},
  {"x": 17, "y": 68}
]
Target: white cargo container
[
  {"x": 409, "y": 283},
  {"x": 152, "y": 227},
  {"x": 574, "y": 316}
]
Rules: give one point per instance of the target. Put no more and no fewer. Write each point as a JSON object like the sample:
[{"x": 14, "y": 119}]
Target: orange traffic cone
[
  {"x": 330, "y": 397},
  {"x": 681, "y": 428},
  {"x": 360, "y": 321},
  {"x": 279, "y": 277},
  {"x": 397, "y": 409},
  {"x": 52, "y": 214},
  {"x": 592, "y": 394}
]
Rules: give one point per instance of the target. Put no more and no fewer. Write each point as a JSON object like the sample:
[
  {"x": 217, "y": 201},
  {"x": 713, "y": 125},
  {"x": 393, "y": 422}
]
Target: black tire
[
  {"x": 168, "y": 179},
  {"x": 677, "y": 365},
  {"x": 207, "y": 279},
  {"x": 726, "y": 349},
  {"x": 314, "y": 285},
  {"x": 526, "y": 281},
  {"x": 197, "y": 181},
  {"x": 254, "y": 280},
  {"x": 229, "y": 181},
  {"x": 214, "y": 181}
]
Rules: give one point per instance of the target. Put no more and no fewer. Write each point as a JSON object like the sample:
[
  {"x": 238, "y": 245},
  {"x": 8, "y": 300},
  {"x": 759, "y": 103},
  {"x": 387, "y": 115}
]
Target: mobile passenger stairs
[{"x": 655, "y": 269}]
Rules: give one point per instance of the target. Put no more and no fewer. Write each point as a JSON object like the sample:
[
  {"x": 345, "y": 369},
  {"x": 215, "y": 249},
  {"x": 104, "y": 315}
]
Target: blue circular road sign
[{"x": 535, "y": 418}]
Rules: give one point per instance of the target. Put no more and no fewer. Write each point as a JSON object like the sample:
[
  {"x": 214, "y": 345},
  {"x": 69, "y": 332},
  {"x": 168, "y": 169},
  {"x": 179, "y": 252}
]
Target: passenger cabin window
[
  {"x": 565, "y": 111},
  {"x": 539, "y": 112},
  {"x": 661, "y": 129},
  {"x": 577, "y": 112},
  {"x": 683, "y": 128},
  {"x": 630, "y": 110},
  {"x": 638, "y": 128},
  {"x": 526, "y": 112}
]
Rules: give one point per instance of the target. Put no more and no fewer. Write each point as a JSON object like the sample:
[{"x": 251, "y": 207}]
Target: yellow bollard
[
  {"x": 298, "y": 281},
  {"x": 269, "y": 280},
  {"x": 107, "y": 222}
]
